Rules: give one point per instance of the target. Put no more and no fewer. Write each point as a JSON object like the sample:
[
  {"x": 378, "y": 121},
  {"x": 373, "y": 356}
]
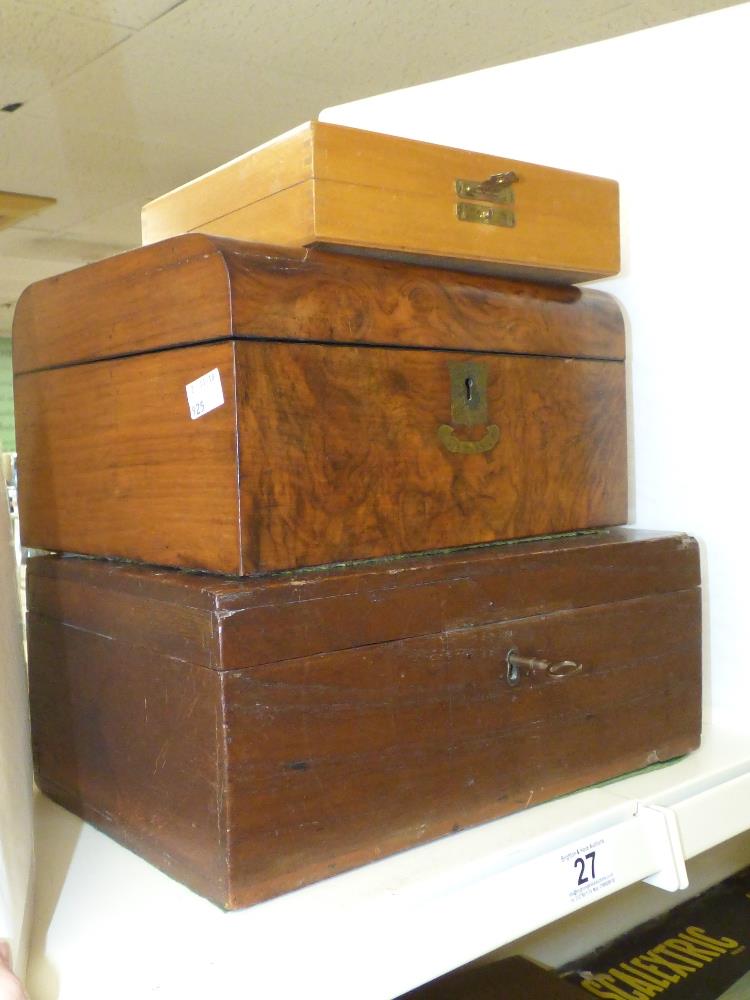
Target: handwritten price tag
[{"x": 204, "y": 394}]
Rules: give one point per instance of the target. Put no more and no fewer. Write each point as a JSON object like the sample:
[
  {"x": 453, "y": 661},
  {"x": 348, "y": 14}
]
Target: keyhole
[{"x": 469, "y": 383}]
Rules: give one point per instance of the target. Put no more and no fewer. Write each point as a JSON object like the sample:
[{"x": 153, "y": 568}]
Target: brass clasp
[{"x": 497, "y": 188}]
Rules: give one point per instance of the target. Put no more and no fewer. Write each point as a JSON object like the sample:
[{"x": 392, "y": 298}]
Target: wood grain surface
[
  {"x": 340, "y": 458},
  {"x": 431, "y": 737},
  {"x": 193, "y": 289},
  {"x": 249, "y": 781},
  {"x": 315, "y": 295},
  {"x": 227, "y": 624},
  {"x": 287, "y": 219},
  {"x": 368, "y": 190},
  {"x": 175, "y": 292},
  {"x": 129, "y": 738},
  {"x": 274, "y": 167},
  {"x": 110, "y": 462},
  {"x": 329, "y": 454}
]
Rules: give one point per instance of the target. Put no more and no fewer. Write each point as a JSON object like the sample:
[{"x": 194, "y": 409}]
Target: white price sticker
[
  {"x": 586, "y": 871},
  {"x": 204, "y": 394}
]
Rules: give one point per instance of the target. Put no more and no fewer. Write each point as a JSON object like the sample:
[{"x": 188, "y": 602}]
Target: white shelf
[{"x": 382, "y": 929}]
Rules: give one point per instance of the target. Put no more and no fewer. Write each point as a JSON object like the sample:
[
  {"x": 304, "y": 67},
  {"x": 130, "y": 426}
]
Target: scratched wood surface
[
  {"x": 226, "y": 623},
  {"x": 195, "y": 288},
  {"x": 329, "y": 184},
  {"x": 318, "y": 454},
  {"x": 129, "y": 739},
  {"x": 428, "y": 730},
  {"x": 347, "y": 750}
]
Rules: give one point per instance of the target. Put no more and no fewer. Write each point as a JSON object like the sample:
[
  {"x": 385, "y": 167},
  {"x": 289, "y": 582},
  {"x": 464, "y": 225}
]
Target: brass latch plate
[
  {"x": 488, "y": 215},
  {"x": 496, "y": 189}
]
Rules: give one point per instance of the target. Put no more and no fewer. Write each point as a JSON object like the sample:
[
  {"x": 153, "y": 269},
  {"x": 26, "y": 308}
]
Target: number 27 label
[
  {"x": 580, "y": 864},
  {"x": 586, "y": 871}
]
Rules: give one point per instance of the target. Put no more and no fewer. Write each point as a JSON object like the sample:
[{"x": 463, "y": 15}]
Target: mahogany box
[
  {"x": 347, "y": 189},
  {"x": 250, "y": 736},
  {"x": 242, "y": 408}
]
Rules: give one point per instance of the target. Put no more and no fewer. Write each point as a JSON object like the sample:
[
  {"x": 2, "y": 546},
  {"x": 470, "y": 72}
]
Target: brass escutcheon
[{"x": 468, "y": 381}]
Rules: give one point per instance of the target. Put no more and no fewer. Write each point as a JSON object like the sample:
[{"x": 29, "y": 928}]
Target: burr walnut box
[
  {"x": 242, "y": 408},
  {"x": 363, "y": 192},
  {"x": 250, "y": 736}
]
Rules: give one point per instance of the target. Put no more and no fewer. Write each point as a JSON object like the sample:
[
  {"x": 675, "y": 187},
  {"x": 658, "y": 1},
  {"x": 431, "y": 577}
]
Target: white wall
[
  {"x": 16, "y": 822},
  {"x": 664, "y": 111}
]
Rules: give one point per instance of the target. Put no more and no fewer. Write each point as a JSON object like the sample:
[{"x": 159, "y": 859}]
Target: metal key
[{"x": 528, "y": 666}]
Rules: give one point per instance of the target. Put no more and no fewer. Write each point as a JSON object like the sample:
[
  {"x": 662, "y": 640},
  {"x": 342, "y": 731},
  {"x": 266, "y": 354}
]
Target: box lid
[
  {"x": 361, "y": 191},
  {"x": 196, "y": 289},
  {"x": 225, "y": 623}
]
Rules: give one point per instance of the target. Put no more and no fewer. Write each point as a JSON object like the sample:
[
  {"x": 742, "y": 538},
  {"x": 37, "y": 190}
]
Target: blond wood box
[{"x": 346, "y": 189}]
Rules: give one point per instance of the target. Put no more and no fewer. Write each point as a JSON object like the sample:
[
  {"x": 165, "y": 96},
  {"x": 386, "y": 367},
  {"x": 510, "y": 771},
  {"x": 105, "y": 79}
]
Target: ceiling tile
[
  {"x": 16, "y": 271},
  {"x": 152, "y": 92},
  {"x": 108, "y": 232},
  {"x": 41, "y": 45},
  {"x": 87, "y": 171},
  {"x": 128, "y": 13},
  {"x": 366, "y": 48},
  {"x": 19, "y": 272},
  {"x": 30, "y": 255},
  {"x": 62, "y": 251}
]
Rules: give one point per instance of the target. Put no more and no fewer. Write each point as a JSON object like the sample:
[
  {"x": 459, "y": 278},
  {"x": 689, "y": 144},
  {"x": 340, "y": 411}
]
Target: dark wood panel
[
  {"x": 412, "y": 798},
  {"x": 340, "y": 457},
  {"x": 322, "y": 763},
  {"x": 230, "y": 623},
  {"x": 439, "y": 690},
  {"x": 315, "y": 612},
  {"x": 55, "y": 579},
  {"x": 162, "y": 624},
  {"x": 131, "y": 742},
  {"x": 197, "y": 288}
]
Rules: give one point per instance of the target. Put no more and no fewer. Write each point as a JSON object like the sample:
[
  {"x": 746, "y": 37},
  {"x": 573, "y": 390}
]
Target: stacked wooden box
[{"x": 338, "y": 455}]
